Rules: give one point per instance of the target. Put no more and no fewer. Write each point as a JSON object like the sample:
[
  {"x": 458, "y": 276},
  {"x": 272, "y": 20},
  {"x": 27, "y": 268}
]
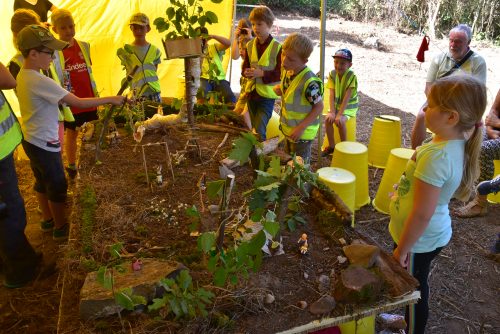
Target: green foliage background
[{"x": 411, "y": 15}]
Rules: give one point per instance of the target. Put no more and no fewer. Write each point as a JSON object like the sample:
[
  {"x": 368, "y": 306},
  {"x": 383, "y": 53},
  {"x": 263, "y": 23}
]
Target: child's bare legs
[
  {"x": 329, "y": 121},
  {"x": 52, "y": 210},
  {"x": 43, "y": 203},
  {"x": 70, "y": 147},
  {"x": 342, "y": 128}
]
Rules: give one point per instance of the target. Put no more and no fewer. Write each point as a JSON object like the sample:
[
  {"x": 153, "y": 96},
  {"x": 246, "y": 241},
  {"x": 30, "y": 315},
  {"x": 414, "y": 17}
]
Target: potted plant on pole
[{"x": 182, "y": 23}]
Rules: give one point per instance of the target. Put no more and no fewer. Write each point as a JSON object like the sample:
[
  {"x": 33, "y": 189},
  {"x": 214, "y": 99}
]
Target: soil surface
[{"x": 464, "y": 279}]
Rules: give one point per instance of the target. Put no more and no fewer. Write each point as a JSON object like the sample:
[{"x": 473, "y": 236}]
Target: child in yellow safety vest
[
  {"x": 145, "y": 82},
  {"x": 343, "y": 86},
  {"x": 262, "y": 64},
  {"x": 302, "y": 96},
  {"x": 213, "y": 76},
  {"x": 75, "y": 72}
]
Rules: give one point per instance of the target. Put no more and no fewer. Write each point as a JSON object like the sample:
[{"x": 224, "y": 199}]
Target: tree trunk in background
[{"x": 433, "y": 12}]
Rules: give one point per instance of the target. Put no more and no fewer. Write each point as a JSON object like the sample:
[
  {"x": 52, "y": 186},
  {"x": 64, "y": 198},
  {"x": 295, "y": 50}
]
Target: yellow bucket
[
  {"x": 342, "y": 182},
  {"x": 396, "y": 165},
  {"x": 361, "y": 326},
  {"x": 350, "y": 133},
  {"x": 386, "y": 135},
  {"x": 495, "y": 198},
  {"x": 273, "y": 127},
  {"x": 353, "y": 156},
  {"x": 181, "y": 87}
]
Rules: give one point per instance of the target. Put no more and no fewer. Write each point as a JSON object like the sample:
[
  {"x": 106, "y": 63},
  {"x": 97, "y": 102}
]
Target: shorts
[
  {"x": 81, "y": 119},
  {"x": 49, "y": 172}
]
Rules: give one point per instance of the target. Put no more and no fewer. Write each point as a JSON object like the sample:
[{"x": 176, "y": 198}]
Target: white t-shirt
[{"x": 39, "y": 97}]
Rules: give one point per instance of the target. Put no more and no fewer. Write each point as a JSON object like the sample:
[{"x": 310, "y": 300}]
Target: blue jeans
[
  {"x": 260, "y": 111},
  {"x": 301, "y": 148},
  {"x": 18, "y": 257},
  {"x": 223, "y": 87}
]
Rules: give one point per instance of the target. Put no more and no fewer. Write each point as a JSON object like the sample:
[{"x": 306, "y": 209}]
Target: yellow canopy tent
[{"x": 104, "y": 24}]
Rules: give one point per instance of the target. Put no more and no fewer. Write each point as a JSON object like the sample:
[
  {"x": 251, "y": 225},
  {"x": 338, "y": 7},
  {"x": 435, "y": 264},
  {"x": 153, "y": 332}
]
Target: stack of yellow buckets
[
  {"x": 396, "y": 165},
  {"x": 386, "y": 135},
  {"x": 352, "y": 156}
]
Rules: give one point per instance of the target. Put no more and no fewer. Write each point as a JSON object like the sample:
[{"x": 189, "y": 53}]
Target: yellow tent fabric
[{"x": 104, "y": 24}]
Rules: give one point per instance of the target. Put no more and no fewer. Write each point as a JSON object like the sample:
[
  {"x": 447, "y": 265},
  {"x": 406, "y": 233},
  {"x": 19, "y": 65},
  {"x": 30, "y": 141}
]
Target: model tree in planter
[{"x": 182, "y": 22}]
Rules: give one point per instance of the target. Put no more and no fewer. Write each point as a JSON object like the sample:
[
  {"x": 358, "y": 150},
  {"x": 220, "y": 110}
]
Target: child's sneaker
[
  {"x": 30, "y": 274},
  {"x": 61, "y": 234},
  {"x": 490, "y": 186},
  {"x": 327, "y": 151},
  {"x": 72, "y": 172},
  {"x": 47, "y": 225}
]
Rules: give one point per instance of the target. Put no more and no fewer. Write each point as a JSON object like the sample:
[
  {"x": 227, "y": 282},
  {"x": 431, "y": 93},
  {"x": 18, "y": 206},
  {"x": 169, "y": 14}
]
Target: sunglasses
[{"x": 50, "y": 53}]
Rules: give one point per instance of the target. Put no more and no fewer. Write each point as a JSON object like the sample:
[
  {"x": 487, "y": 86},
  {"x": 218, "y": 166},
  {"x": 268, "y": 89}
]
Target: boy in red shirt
[{"x": 75, "y": 71}]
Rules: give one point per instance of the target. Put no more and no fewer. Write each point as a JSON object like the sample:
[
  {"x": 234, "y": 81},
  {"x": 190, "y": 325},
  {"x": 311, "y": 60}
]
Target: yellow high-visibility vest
[
  {"x": 295, "y": 107},
  {"x": 267, "y": 62},
  {"x": 10, "y": 129}
]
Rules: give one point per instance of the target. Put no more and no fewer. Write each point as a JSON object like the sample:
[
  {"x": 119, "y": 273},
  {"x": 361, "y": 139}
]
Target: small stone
[
  {"x": 342, "y": 241},
  {"x": 323, "y": 305},
  {"x": 306, "y": 275},
  {"x": 324, "y": 284},
  {"x": 302, "y": 304},
  {"x": 326, "y": 248},
  {"x": 341, "y": 259},
  {"x": 269, "y": 299}
]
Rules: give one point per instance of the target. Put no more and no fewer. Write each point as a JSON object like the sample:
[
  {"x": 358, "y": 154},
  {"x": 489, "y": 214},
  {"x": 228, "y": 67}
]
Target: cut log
[
  {"x": 220, "y": 128},
  {"x": 398, "y": 280},
  {"x": 331, "y": 202},
  {"x": 358, "y": 285}
]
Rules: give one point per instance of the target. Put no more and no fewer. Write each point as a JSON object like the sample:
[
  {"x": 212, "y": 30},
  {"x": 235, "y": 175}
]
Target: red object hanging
[{"x": 423, "y": 47}]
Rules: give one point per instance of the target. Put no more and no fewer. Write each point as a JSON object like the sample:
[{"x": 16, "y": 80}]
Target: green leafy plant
[
  {"x": 232, "y": 262},
  {"x": 183, "y": 18},
  {"x": 181, "y": 298}
]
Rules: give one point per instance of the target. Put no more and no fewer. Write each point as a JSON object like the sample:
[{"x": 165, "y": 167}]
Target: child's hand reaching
[
  {"x": 400, "y": 257},
  {"x": 118, "y": 100}
]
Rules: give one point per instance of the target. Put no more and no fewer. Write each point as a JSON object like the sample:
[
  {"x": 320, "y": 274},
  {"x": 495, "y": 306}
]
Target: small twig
[
  {"x": 169, "y": 160},
  {"x": 201, "y": 185},
  {"x": 450, "y": 303},
  {"x": 372, "y": 220},
  {"x": 145, "y": 164},
  {"x": 13, "y": 308},
  {"x": 220, "y": 145}
]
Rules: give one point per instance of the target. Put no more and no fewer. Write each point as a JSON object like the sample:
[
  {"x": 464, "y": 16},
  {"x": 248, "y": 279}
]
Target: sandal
[{"x": 475, "y": 208}]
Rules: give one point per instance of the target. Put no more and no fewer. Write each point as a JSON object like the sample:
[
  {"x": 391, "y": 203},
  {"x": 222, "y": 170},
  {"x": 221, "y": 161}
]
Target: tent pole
[
  {"x": 231, "y": 47},
  {"x": 322, "y": 34}
]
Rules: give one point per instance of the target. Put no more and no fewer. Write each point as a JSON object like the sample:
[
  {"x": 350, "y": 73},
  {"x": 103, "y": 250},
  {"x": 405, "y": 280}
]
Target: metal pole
[
  {"x": 322, "y": 34},
  {"x": 232, "y": 38}
]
